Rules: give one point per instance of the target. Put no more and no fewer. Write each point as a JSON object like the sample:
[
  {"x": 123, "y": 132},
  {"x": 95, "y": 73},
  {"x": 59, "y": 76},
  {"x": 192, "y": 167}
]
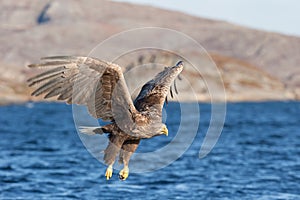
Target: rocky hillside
[
  {"x": 242, "y": 81},
  {"x": 254, "y": 65}
]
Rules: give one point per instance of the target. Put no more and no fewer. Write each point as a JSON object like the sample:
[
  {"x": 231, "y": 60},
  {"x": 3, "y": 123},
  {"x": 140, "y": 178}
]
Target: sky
[{"x": 281, "y": 16}]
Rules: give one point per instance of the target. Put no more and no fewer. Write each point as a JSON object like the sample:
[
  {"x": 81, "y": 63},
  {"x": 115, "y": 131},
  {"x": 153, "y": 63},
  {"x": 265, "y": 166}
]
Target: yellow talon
[
  {"x": 124, "y": 173},
  {"x": 108, "y": 172}
]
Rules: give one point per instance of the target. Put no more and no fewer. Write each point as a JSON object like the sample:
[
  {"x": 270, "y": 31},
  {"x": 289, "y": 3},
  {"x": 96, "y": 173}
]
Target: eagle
[{"x": 101, "y": 87}]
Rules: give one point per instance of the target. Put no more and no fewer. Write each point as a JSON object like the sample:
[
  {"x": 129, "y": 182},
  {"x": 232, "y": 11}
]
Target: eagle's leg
[
  {"x": 128, "y": 148},
  {"x": 110, "y": 153}
]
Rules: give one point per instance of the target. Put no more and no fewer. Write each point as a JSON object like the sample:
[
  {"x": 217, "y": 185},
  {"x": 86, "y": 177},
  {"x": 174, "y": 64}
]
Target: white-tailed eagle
[{"x": 101, "y": 86}]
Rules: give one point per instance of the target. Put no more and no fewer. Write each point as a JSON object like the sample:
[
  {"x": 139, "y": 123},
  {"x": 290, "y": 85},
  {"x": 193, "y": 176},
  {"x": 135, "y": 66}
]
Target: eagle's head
[{"x": 156, "y": 129}]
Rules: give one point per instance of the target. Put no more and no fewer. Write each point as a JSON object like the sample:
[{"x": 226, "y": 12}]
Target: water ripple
[{"x": 256, "y": 157}]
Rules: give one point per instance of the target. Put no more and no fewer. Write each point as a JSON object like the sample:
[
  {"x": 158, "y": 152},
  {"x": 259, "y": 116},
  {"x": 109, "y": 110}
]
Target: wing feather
[
  {"x": 47, "y": 86},
  {"x": 53, "y": 92},
  {"x": 153, "y": 94},
  {"x": 86, "y": 81},
  {"x": 46, "y": 75}
]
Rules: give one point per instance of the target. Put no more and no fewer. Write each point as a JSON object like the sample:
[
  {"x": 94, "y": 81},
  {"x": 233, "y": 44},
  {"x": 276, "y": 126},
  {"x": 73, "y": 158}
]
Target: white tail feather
[{"x": 88, "y": 129}]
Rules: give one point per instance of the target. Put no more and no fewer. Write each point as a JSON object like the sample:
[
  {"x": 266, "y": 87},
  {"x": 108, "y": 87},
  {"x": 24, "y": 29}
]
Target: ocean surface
[{"x": 256, "y": 157}]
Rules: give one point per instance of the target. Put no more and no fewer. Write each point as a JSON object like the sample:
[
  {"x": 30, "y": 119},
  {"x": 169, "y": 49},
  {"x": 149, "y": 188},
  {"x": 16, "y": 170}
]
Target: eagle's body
[{"x": 102, "y": 88}]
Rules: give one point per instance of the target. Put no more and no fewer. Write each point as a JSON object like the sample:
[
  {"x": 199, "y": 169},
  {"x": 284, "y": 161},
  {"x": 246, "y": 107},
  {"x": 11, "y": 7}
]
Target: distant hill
[
  {"x": 242, "y": 81},
  {"x": 254, "y": 65}
]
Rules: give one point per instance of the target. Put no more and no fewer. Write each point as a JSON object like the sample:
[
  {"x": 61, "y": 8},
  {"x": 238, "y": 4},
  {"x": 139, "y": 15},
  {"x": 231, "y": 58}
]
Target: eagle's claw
[
  {"x": 124, "y": 173},
  {"x": 108, "y": 172}
]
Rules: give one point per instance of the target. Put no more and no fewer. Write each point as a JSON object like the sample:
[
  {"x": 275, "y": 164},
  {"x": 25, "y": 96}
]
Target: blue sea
[{"x": 256, "y": 157}]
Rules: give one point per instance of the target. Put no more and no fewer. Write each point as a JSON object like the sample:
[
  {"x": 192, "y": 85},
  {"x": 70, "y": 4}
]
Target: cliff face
[{"x": 254, "y": 65}]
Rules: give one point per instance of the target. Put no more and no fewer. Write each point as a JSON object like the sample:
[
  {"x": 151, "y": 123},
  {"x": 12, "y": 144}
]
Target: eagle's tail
[{"x": 90, "y": 130}]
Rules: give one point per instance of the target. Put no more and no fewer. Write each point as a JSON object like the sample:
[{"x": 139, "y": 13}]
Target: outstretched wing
[
  {"x": 154, "y": 92},
  {"x": 86, "y": 81}
]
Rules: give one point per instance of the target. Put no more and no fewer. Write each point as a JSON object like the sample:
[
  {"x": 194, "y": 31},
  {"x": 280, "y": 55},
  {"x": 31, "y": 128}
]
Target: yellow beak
[{"x": 164, "y": 130}]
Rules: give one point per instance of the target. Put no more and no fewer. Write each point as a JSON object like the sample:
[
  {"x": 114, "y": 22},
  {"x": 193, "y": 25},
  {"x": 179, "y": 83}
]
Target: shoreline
[{"x": 170, "y": 101}]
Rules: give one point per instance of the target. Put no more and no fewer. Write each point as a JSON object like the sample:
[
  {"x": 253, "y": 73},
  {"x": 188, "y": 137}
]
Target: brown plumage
[{"x": 102, "y": 88}]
